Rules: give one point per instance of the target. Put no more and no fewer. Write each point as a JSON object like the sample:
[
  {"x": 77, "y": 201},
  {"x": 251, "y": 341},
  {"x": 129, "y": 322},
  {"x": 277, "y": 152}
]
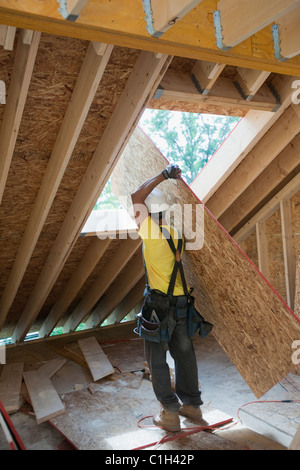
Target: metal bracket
[
  {"x": 149, "y": 19},
  {"x": 64, "y": 12},
  {"x": 159, "y": 92},
  {"x": 218, "y": 31},
  {"x": 276, "y": 43},
  {"x": 276, "y": 95}
]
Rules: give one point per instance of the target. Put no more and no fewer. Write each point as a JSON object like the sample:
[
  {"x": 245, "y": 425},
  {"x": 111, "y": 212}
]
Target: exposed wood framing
[
  {"x": 272, "y": 206},
  {"x": 161, "y": 15},
  {"x": 179, "y": 86},
  {"x": 7, "y": 37},
  {"x": 141, "y": 84},
  {"x": 205, "y": 74},
  {"x": 284, "y": 164},
  {"x": 249, "y": 81},
  {"x": 287, "y": 36},
  {"x": 288, "y": 251},
  {"x": 115, "y": 23},
  {"x": 274, "y": 141},
  {"x": 240, "y": 142},
  {"x": 132, "y": 299},
  {"x": 117, "y": 292},
  {"x": 262, "y": 248},
  {"x": 21, "y": 76},
  {"x": 240, "y": 19},
  {"x": 112, "y": 269},
  {"x": 86, "y": 86},
  {"x": 90, "y": 259}
]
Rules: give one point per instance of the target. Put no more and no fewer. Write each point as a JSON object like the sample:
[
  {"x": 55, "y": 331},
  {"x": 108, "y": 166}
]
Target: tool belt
[{"x": 153, "y": 320}]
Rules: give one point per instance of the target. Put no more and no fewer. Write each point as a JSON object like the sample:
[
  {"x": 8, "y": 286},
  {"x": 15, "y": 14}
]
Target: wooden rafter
[
  {"x": 113, "y": 267},
  {"x": 274, "y": 141},
  {"x": 88, "y": 262},
  {"x": 284, "y": 164},
  {"x": 272, "y": 206},
  {"x": 17, "y": 94},
  {"x": 117, "y": 292},
  {"x": 84, "y": 91},
  {"x": 286, "y": 36},
  {"x": 240, "y": 19},
  {"x": 129, "y": 302},
  {"x": 240, "y": 142},
  {"x": 288, "y": 250}
]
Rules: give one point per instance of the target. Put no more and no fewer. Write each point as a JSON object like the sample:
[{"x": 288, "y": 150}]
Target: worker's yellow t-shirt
[{"x": 158, "y": 256}]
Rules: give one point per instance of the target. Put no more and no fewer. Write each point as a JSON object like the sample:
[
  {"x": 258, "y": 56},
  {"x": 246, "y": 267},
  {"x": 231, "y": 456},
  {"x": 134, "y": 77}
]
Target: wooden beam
[
  {"x": 161, "y": 15},
  {"x": 113, "y": 267},
  {"x": 254, "y": 194},
  {"x": 288, "y": 250},
  {"x": 297, "y": 288},
  {"x": 274, "y": 141},
  {"x": 140, "y": 87},
  {"x": 240, "y": 142},
  {"x": 88, "y": 80},
  {"x": 286, "y": 36},
  {"x": 15, "y": 102},
  {"x": 272, "y": 206},
  {"x": 87, "y": 264},
  {"x": 262, "y": 249},
  {"x": 117, "y": 23},
  {"x": 249, "y": 81},
  {"x": 237, "y": 20},
  {"x": 7, "y": 37},
  {"x": 129, "y": 302},
  {"x": 132, "y": 274},
  {"x": 205, "y": 74},
  {"x": 178, "y": 86}
]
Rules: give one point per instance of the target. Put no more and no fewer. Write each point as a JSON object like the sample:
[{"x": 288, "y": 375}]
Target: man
[{"x": 165, "y": 316}]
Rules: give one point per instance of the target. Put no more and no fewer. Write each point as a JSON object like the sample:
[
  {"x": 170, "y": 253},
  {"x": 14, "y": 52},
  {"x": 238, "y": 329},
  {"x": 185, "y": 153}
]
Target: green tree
[
  {"x": 107, "y": 199},
  {"x": 190, "y": 139}
]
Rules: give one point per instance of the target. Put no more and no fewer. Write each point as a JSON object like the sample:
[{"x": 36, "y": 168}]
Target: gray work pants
[{"x": 186, "y": 371}]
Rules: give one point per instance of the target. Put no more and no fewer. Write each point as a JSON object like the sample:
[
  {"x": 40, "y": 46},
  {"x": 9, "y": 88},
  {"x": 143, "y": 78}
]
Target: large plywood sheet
[{"x": 252, "y": 323}]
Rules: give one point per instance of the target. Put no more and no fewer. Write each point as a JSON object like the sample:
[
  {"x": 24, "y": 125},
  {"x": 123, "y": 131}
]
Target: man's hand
[{"x": 172, "y": 171}]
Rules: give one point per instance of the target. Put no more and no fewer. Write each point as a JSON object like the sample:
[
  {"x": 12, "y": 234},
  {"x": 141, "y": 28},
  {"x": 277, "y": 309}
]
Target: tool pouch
[
  {"x": 158, "y": 302},
  {"x": 195, "y": 321}
]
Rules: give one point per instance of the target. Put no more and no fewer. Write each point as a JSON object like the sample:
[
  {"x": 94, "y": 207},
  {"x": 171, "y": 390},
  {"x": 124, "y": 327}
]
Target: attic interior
[{"x": 77, "y": 77}]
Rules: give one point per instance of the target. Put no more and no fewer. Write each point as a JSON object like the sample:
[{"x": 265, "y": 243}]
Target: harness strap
[{"x": 178, "y": 263}]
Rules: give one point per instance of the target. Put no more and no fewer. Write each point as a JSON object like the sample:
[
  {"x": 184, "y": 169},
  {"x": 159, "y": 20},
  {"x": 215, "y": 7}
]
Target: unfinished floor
[{"x": 104, "y": 415}]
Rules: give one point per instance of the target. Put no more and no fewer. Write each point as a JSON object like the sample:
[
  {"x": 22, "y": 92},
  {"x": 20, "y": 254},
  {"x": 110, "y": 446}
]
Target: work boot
[
  {"x": 193, "y": 413},
  {"x": 168, "y": 420}
]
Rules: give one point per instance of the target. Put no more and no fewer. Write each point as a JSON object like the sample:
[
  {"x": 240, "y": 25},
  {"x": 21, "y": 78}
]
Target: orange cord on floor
[{"x": 192, "y": 430}]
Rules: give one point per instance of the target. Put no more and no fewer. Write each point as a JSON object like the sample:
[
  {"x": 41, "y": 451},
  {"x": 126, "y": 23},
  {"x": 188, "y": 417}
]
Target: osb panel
[
  {"x": 251, "y": 322},
  {"x": 275, "y": 254}
]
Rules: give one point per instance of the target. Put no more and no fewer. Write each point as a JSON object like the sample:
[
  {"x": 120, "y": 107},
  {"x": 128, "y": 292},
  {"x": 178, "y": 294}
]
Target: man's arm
[{"x": 139, "y": 196}]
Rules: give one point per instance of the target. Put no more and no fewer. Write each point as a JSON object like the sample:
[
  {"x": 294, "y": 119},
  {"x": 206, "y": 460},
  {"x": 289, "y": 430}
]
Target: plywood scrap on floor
[
  {"x": 43, "y": 396},
  {"x": 95, "y": 357},
  {"x": 230, "y": 291},
  {"x": 10, "y": 386}
]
